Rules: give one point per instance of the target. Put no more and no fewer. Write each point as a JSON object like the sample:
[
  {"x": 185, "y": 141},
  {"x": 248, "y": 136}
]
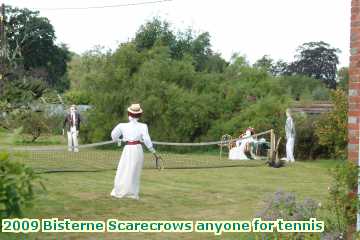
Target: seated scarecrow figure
[{"x": 244, "y": 146}]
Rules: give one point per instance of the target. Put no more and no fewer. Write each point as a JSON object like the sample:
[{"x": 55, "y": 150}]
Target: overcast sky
[{"x": 252, "y": 27}]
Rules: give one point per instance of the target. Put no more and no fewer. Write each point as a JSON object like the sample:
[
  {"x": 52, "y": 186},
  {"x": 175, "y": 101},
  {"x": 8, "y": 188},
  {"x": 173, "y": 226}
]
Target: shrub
[
  {"x": 34, "y": 123},
  {"x": 342, "y": 200},
  {"x": 16, "y": 186},
  {"x": 77, "y": 97},
  {"x": 306, "y": 142},
  {"x": 331, "y": 128},
  {"x": 283, "y": 205}
]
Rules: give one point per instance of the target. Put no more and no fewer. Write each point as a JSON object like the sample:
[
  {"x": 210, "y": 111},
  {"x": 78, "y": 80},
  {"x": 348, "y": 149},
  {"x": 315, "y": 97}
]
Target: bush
[
  {"x": 77, "y": 97},
  {"x": 342, "y": 200},
  {"x": 304, "y": 88},
  {"x": 306, "y": 142},
  {"x": 331, "y": 128},
  {"x": 16, "y": 187},
  {"x": 283, "y": 205},
  {"x": 34, "y": 123}
]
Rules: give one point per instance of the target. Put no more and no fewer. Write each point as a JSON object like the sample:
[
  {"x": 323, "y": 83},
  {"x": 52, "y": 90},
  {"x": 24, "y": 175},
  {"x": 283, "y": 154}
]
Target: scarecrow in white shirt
[
  {"x": 72, "y": 125},
  {"x": 127, "y": 179}
]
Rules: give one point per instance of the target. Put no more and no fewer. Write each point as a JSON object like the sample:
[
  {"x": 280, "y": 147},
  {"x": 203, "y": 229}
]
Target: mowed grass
[
  {"x": 228, "y": 193},
  {"x": 192, "y": 187}
]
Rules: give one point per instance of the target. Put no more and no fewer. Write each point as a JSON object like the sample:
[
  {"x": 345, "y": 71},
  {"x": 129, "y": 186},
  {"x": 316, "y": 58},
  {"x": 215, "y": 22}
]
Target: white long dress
[
  {"x": 127, "y": 179},
  {"x": 238, "y": 152},
  {"x": 290, "y": 137}
]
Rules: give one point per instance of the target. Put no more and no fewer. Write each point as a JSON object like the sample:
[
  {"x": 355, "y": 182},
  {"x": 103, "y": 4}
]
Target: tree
[
  {"x": 34, "y": 123},
  {"x": 318, "y": 60},
  {"x": 266, "y": 63},
  {"x": 153, "y": 31},
  {"x": 31, "y": 46},
  {"x": 343, "y": 78},
  {"x": 158, "y": 33},
  {"x": 331, "y": 128}
]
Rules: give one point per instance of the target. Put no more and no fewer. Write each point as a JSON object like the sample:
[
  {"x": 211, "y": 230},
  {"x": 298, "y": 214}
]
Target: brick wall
[{"x": 354, "y": 83}]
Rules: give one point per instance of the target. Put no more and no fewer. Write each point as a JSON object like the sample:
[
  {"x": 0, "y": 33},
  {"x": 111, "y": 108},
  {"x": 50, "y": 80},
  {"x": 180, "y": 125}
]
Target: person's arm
[
  {"x": 116, "y": 133},
  {"x": 147, "y": 139}
]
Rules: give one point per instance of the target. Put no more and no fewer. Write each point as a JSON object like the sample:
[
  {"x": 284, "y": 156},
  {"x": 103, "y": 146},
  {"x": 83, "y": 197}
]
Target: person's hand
[
  {"x": 63, "y": 132},
  {"x": 77, "y": 133}
]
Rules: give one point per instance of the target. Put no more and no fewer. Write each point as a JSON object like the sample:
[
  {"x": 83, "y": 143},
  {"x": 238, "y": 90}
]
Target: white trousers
[
  {"x": 290, "y": 149},
  {"x": 73, "y": 144}
]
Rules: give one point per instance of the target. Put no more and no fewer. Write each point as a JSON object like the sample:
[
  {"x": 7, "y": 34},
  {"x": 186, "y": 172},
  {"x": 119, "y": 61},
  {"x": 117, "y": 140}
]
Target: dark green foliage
[
  {"x": 318, "y": 60},
  {"x": 188, "y": 92},
  {"x": 34, "y": 123},
  {"x": 31, "y": 47},
  {"x": 77, "y": 97},
  {"x": 306, "y": 142},
  {"x": 158, "y": 33},
  {"x": 331, "y": 128},
  {"x": 343, "y": 78},
  {"x": 304, "y": 88},
  {"x": 21, "y": 92},
  {"x": 343, "y": 200},
  {"x": 16, "y": 187}
]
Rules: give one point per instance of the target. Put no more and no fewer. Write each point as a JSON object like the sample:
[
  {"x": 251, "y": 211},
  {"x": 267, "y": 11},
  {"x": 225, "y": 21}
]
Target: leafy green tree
[
  {"x": 158, "y": 33},
  {"x": 303, "y": 88},
  {"x": 22, "y": 92},
  {"x": 269, "y": 65},
  {"x": 31, "y": 46},
  {"x": 267, "y": 113},
  {"x": 343, "y": 78},
  {"x": 188, "y": 92},
  {"x": 318, "y": 60},
  {"x": 331, "y": 128},
  {"x": 265, "y": 63},
  {"x": 81, "y": 70},
  {"x": 34, "y": 123},
  {"x": 152, "y": 32}
]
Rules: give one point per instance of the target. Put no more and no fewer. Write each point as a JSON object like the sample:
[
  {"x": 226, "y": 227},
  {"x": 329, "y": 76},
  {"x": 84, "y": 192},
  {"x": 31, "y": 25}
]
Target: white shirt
[
  {"x": 73, "y": 127},
  {"x": 73, "y": 117},
  {"x": 133, "y": 131}
]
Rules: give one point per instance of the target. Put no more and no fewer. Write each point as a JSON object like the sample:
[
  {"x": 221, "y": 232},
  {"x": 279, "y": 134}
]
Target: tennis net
[{"x": 104, "y": 156}]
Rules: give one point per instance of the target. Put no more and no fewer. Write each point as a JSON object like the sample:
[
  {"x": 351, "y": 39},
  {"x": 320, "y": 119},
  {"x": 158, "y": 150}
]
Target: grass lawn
[{"x": 224, "y": 193}]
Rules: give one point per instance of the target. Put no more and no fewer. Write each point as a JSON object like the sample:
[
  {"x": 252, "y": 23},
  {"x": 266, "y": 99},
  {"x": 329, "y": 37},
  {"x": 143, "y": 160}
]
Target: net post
[{"x": 220, "y": 151}]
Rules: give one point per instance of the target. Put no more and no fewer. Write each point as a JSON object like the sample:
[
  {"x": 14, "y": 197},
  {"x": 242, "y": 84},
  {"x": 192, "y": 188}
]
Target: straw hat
[{"x": 135, "y": 108}]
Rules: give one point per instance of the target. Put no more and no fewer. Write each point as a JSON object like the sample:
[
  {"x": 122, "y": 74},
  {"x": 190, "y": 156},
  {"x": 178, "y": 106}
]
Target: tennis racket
[{"x": 159, "y": 162}]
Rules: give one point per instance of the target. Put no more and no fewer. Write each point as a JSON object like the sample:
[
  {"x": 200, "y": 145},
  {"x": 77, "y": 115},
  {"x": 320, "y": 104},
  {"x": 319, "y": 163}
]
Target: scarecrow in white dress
[
  {"x": 243, "y": 149},
  {"x": 127, "y": 179},
  {"x": 290, "y": 136}
]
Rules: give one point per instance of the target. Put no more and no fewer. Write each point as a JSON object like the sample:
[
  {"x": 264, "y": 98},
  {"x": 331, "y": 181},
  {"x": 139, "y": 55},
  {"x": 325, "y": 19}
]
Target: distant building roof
[{"x": 315, "y": 107}]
